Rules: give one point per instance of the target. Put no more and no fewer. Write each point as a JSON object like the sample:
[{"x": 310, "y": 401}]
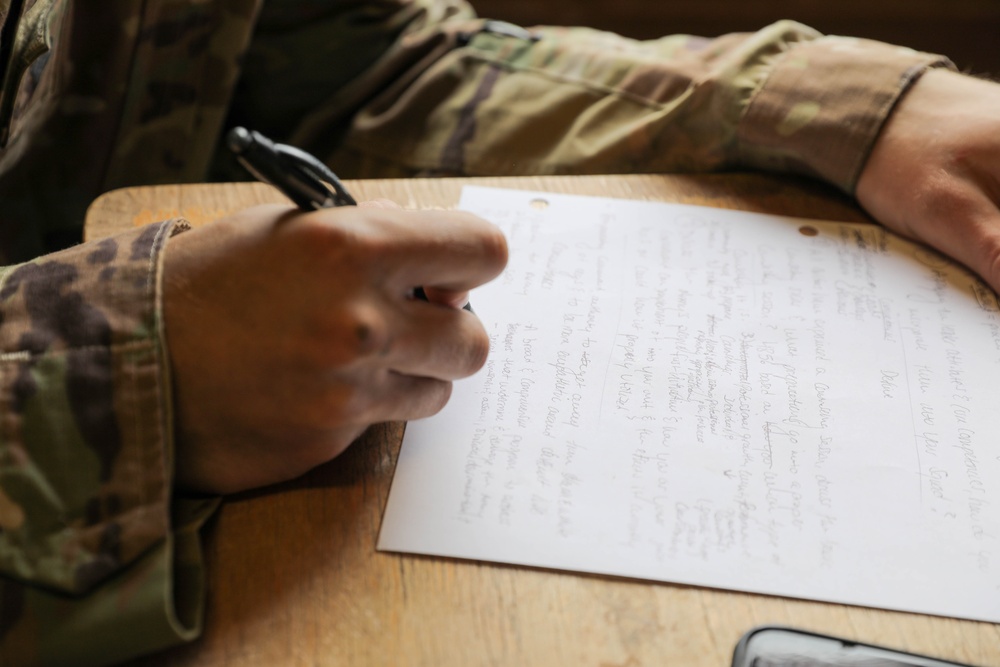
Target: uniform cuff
[
  {"x": 821, "y": 107},
  {"x": 102, "y": 563}
]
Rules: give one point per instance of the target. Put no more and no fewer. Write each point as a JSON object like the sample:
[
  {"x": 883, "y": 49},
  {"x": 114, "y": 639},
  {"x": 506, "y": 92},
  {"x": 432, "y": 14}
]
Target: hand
[
  {"x": 289, "y": 333},
  {"x": 934, "y": 174}
]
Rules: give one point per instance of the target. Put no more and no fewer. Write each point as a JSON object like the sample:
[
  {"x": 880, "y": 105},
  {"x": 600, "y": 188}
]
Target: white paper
[{"x": 722, "y": 399}]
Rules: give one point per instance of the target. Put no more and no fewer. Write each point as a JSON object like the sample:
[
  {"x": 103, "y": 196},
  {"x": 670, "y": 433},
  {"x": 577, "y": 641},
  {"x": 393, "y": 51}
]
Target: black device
[{"x": 774, "y": 646}]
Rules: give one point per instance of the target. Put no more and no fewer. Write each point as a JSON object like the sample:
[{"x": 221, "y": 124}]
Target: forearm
[
  {"x": 578, "y": 101},
  {"x": 88, "y": 545}
]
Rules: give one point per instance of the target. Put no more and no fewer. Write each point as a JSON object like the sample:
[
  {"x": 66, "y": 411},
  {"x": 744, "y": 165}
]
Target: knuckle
[
  {"x": 321, "y": 229},
  {"x": 347, "y": 237},
  {"x": 349, "y": 334},
  {"x": 367, "y": 332}
]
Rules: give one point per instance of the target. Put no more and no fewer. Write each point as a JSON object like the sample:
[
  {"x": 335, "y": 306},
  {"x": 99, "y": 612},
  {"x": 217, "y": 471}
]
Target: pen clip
[
  {"x": 318, "y": 171},
  {"x": 301, "y": 177}
]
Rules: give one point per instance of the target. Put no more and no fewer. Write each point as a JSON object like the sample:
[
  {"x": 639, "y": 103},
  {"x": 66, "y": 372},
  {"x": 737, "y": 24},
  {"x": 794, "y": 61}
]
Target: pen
[{"x": 300, "y": 176}]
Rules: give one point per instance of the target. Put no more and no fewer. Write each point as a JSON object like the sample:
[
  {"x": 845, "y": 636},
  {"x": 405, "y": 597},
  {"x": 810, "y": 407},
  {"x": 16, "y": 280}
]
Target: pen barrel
[{"x": 265, "y": 161}]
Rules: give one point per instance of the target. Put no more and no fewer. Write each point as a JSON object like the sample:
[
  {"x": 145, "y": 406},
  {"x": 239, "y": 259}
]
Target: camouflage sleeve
[
  {"x": 94, "y": 567},
  {"x": 456, "y": 95}
]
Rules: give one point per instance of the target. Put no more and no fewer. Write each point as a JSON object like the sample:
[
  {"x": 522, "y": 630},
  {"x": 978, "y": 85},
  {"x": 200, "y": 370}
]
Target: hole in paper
[
  {"x": 539, "y": 203},
  {"x": 806, "y": 230}
]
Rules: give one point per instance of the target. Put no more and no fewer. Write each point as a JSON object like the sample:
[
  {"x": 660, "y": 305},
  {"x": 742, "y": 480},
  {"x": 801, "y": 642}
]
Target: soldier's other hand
[
  {"x": 289, "y": 333},
  {"x": 934, "y": 174}
]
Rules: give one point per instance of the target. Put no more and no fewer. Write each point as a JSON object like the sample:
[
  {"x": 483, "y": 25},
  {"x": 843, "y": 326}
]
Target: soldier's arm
[
  {"x": 500, "y": 100},
  {"x": 126, "y": 376},
  {"x": 454, "y": 95},
  {"x": 493, "y": 100},
  {"x": 98, "y": 561},
  {"x": 934, "y": 174}
]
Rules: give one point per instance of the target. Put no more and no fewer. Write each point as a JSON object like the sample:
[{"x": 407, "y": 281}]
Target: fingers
[
  {"x": 370, "y": 322},
  {"x": 405, "y": 397},
  {"x": 311, "y": 440},
  {"x": 445, "y": 253},
  {"x": 435, "y": 342},
  {"x": 336, "y": 344},
  {"x": 455, "y": 252},
  {"x": 408, "y": 337},
  {"x": 348, "y": 403},
  {"x": 450, "y": 251},
  {"x": 445, "y": 297}
]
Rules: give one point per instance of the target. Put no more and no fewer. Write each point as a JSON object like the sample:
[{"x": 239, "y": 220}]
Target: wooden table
[{"x": 294, "y": 578}]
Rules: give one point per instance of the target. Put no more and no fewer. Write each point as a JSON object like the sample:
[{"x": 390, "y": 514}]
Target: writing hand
[
  {"x": 289, "y": 333},
  {"x": 934, "y": 174}
]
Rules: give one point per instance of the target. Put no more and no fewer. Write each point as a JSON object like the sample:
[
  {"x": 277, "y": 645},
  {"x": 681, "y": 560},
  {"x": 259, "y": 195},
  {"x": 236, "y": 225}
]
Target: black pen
[{"x": 300, "y": 176}]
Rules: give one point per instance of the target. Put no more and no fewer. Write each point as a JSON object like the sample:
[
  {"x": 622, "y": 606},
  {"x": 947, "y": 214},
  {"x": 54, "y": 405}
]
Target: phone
[{"x": 773, "y": 646}]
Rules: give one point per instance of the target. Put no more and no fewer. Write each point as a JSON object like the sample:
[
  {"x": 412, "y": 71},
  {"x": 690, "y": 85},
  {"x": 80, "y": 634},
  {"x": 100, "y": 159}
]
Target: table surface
[{"x": 294, "y": 578}]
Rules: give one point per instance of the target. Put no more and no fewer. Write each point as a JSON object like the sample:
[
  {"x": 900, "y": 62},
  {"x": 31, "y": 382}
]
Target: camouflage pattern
[
  {"x": 468, "y": 97},
  {"x": 96, "y": 83},
  {"x": 98, "y": 561},
  {"x": 85, "y": 497},
  {"x": 402, "y": 87}
]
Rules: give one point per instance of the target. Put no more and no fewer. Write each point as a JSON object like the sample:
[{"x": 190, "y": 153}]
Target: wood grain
[
  {"x": 120, "y": 210},
  {"x": 295, "y": 579}
]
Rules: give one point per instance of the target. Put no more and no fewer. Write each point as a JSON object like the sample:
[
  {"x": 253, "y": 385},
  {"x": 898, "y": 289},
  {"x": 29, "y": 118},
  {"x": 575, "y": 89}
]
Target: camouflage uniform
[{"x": 100, "y": 562}]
